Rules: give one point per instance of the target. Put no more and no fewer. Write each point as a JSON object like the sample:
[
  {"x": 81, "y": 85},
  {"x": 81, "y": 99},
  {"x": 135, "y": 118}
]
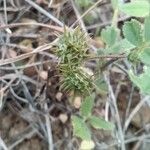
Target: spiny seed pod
[
  {"x": 72, "y": 47},
  {"x": 75, "y": 79},
  {"x": 72, "y": 51}
]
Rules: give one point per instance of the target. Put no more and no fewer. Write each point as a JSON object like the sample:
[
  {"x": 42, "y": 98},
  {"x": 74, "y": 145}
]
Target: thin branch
[
  {"x": 44, "y": 12},
  {"x": 85, "y": 13},
  {"x": 129, "y": 104},
  {"x": 100, "y": 25},
  {"x": 56, "y": 28},
  {"x": 79, "y": 18},
  {"x": 127, "y": 141},
  {"x": 135, "y": 110},
  {"x": 118, "y": 121},
  {"x": 49, "y": 131},
  {"x": 26, "y": 66},
  {"x": 27, "y": 55},
  {"x": 2, "y": 144}
]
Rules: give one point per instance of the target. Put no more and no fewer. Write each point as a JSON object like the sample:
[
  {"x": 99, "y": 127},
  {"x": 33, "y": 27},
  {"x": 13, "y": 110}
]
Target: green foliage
[
  {"x": 142, "y": 80},
  {"x": 123, "y": 46},
  {"x": 109, "y": 35},
  {"x": 99, "y": 123},
  {"x": 86, "y": 107},
  {"x": 136, "y": 41},
  {"x": 80, "y": 128},
  {"x": 80, "y": 124},
  {"x": 147, "y": 29},
  {"x": 132, "y": 32},
  {"x": 136, "y": 8},
  {"x": 145, "y": 56},
  {"x": 72, "y": 50}
]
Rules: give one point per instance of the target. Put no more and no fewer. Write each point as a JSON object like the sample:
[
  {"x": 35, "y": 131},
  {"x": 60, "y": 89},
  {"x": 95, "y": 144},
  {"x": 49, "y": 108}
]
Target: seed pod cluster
[{"x": 72, "y": 51}]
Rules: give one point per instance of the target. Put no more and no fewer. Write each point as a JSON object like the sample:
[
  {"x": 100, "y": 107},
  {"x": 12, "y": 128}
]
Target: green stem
[{"x": 115, "y": 17}]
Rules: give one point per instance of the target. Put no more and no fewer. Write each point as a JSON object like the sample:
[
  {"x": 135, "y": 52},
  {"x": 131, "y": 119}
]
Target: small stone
[
  {"x": 12, "y": 53},
  {"x": 85, "y": 145},
  {"x": 59, "y": 96},
  {"x": 63, "y": 118},
  {"x": 44, "y": 75},
  {"x": 77, "y": 102}
]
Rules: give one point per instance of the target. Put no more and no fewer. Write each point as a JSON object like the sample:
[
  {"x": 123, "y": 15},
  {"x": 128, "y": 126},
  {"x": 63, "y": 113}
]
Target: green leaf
[
  {"x": 109, "y": 35},
  {"x": 99, "y": 123},
  {"x": 87, "y": 105},
  {"x": 87, "y": 145},
  {"x": 80, "y": 129},
  {"x": 132, "y": 32},
  {"x": 135, "y": 8},
  {"x": 142, "y": 81},
  {"x": 147, "y": 29},
  {"x": 126, "y": 46},
  {"x": 145, "y": 56},
  {"x": 123, "y": 46}
]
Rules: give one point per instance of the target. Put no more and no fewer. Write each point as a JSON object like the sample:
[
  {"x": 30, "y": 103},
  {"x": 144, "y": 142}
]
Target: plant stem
[{"x": 106, "y": 56}]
